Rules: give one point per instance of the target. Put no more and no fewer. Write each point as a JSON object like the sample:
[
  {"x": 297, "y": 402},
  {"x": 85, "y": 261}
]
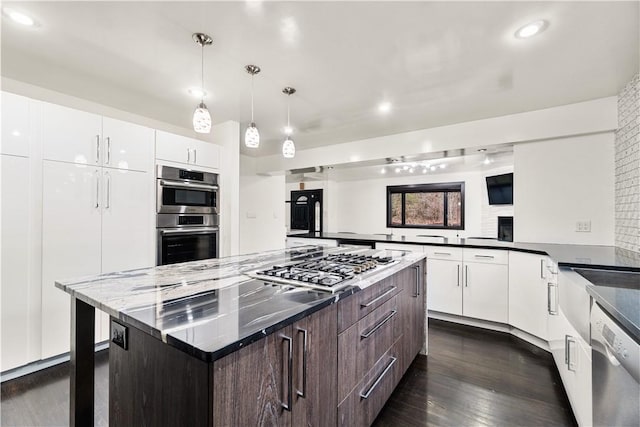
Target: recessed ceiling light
[
  {"x": 397, "y": 170},
  {"x": 433, "y": 168},
  {"x": 482, "y": 150},
  {"x": 383, "y": 171},
  {"x": 384, "y": 107},
  {"x": 196, "y": 92},
  {"x": 410, "y": 170},
  {"x": 405, "y": 167},
  {"x": 329, "y": 167},
  {"x": 487, "y": 161},
  {"x": 531, "y": 29},
  {"x": 442, "y": 166},
  {"x": 19, "y": 17}
]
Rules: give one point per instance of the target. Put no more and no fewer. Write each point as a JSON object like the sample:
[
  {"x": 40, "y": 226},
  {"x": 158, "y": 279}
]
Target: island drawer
[
  {"x": 358, "y": 305},
  {"x": 361, "y": 345},
  {"x": 363, "y": 404}
]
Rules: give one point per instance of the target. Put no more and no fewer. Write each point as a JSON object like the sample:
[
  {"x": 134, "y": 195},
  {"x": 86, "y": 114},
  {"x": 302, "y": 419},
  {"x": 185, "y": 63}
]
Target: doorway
[{"x": 306, "y": 210}]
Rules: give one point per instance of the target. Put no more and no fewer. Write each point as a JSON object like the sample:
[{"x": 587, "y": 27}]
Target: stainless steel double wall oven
[{"x": 187, "y": 219}]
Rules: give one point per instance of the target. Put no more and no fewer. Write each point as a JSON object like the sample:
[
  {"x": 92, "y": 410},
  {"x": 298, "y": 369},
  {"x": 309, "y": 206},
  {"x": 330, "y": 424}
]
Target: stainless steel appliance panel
[
  {"x": 186, "y": 191},
  {"x": 615, "y": 372},
  {"x": 186, "y": 244}
]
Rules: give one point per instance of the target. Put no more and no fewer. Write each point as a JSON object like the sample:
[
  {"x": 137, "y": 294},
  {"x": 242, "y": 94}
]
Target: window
[{"x": 426, "y": 206}]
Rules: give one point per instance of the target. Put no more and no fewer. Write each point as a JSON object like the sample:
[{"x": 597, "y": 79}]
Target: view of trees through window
[{"x": 426, "y": 206}]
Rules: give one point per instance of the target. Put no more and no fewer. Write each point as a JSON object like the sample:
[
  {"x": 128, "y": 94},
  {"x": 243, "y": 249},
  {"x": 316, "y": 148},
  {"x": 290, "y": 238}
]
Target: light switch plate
[{"x": 583, "y": 226}]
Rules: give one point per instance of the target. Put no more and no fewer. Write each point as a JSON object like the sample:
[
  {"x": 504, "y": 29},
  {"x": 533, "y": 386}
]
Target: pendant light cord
[
  {"x": 288, "y": 111},
  {"x": 251, "y": 98},
  {"x": 202, "y": 71}
]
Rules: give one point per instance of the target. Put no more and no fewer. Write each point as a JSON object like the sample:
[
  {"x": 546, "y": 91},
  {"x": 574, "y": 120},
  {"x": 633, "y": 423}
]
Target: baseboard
[
  {"x": 43, "y": 364},
  {"x": 493, "y": 326}
]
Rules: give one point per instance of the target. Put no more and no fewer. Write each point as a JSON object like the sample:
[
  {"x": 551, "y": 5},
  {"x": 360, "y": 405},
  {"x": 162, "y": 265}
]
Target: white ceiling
[{"x": 436, "y": 62}]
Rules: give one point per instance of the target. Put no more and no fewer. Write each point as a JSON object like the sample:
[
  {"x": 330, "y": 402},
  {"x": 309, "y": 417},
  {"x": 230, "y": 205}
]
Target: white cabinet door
[
  {"x": 126, "y": 145},
  {"x": 529, "y": 294},
  {"x": 70, "y": 135},
  {"x": 127, "y": 231},
  {"x": 70, "y": 243},
  {"x": 15, "y": 125},
  {"x": 180, "y": 149},
  {"x": 444, "y": 286},
  {"x": 17, "y": 317},
  {"x": 583, "y": 401},
  {"x": 485, "y": 291}
]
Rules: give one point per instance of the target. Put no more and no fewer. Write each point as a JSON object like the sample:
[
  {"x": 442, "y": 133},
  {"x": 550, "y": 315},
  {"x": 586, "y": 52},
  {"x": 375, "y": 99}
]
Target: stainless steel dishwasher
[{"x": 615, "y": 372}]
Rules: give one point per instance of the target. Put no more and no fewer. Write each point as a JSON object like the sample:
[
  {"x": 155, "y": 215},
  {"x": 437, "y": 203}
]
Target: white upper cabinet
[
  {"x": 126, "y": 145},
  {"x": 15, "y": 125},
  {"x": 180, "y": 149},
  {"x": 70, "y": 135}
]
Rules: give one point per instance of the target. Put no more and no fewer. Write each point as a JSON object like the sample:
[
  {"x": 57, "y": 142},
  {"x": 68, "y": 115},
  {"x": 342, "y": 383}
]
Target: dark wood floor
[
  {"x": 475, "y": 377},
  {"x": 471, "y": 377}
]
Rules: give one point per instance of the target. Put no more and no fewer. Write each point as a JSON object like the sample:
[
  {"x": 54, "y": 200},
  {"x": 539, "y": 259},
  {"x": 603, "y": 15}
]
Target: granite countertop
[
  {"x": 618, "y": 293},
  {"x": 211, "y": 308},
  {"x": 575, "y": 256}
]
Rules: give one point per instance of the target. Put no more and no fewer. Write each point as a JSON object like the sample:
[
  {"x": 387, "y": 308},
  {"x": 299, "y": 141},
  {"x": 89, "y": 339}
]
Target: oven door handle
[
  {"x": 194, "y": 230},
  {"x": 182, "y": 184}
]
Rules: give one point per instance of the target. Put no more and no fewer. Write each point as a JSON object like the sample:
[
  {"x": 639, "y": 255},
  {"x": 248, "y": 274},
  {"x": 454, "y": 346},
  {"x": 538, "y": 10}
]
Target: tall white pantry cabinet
[{"x": 92, "y": 190}]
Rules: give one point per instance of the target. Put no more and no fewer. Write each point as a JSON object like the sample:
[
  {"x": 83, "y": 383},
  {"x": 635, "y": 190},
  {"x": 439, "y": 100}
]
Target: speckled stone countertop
[
  {"x": 575, "y": 256},
  {"x": 211, "y": 308}
]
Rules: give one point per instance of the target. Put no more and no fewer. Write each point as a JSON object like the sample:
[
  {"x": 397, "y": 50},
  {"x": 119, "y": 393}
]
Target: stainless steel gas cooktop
[{"x": 329, "y": 273}]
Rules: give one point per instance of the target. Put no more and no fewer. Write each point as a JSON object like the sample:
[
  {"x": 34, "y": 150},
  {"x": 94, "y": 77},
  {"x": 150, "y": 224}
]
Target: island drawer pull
[
  {"x": 366, "y": 394},
  {"x": 287, "y": 406},
  {"x": 554, "y": 310},
  {"x": 379, "y": 325},
  {"x": 417, "y": 294},
  {"x": 305, "y": 333},
  {"x": 375, "y": 300}
]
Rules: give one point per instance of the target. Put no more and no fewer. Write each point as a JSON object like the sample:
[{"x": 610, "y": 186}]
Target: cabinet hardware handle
[
  {"x": 542, "y": 268},
  {"x": 417, "y": 281},
  {"x": 108, "y": 202},
  {"x": 97, "y": 148},
  {"x": 287, "y": 406},
  {"x": 568, "y": 340},
  {"x": 379, "y": 325},
  {"x": 188, "y": 155},
  {"x": 108, "y": 140},
  {"x": 195, "y": 155},
  {"x": 366, "y": 394},
  {"x": 97, "y": 174},
  {"x": 484, "y": 256},
  {"x": 375, "y": 300},
  {"x": 442, "y": 253},
  {"x": 466, "y": 276},
  {"x": 303, "y": 393},
  {"x": 458, "y": 275},
  {"x": 554, "y": 310},
  {"x": 179, "y": 184}
]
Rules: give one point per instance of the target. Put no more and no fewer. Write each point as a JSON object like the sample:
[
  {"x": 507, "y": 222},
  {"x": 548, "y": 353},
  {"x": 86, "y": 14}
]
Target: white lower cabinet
[
  {"x": 532, "y": 293},
  {"x": 468, "y": 282},
  {"x": 94, "y": 220},
  {"x": 19, "y": 315},
  {"x": 573, "y": 359}
]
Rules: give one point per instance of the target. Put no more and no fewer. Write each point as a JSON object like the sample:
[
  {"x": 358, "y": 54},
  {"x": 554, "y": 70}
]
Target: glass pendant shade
[
  {"x": 202, "y": 119},
  {"x": 252, "y": 136},
  {"x": 288, "y": 148}
]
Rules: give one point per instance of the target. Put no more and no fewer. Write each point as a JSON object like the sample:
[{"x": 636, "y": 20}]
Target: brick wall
[{"x": 627, "y": 198}]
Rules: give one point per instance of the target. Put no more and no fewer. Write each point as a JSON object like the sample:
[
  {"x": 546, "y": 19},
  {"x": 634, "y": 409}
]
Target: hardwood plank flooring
[
  {"x": 471, "y": 377},
  {"x": 480, "y": 378}
]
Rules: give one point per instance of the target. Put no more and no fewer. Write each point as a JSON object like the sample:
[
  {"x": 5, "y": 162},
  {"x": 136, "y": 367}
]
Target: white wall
[
  {"x": 361, "y": 205},
  {"x": 261, "y": 210},
  {"x": 560, "y": 181}
]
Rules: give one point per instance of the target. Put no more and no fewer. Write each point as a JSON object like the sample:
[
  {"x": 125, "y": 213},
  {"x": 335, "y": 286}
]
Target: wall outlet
[{"x": 583, "y": 226}]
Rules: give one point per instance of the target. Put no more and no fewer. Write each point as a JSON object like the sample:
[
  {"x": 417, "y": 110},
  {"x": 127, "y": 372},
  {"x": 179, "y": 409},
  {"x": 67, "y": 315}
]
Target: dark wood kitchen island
[{"x": 208, "y": 343}]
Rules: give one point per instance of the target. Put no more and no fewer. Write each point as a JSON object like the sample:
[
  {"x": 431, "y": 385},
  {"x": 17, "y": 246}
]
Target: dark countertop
[
  {"x": 211, "y": 308},
  {"x": 618, "y": 293},
  {"x": 575, "y": 256}
]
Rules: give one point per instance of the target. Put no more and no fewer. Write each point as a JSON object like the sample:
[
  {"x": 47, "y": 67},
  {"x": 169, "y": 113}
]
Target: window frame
[{"x": 442, "y": 187}]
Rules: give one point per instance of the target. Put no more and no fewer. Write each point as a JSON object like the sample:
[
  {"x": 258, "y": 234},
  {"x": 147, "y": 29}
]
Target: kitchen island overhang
[{"x": 205, "y": 310}]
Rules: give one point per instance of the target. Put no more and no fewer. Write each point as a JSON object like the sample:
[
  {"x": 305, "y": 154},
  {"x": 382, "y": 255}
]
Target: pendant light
[
  {"x": 252, "y": 136},
  {"x": 201, "y": 116},
  {"x": 288, "y": 147}
]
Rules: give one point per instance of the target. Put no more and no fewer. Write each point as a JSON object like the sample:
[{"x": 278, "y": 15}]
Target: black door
[{"x": 306, "y": 210}]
